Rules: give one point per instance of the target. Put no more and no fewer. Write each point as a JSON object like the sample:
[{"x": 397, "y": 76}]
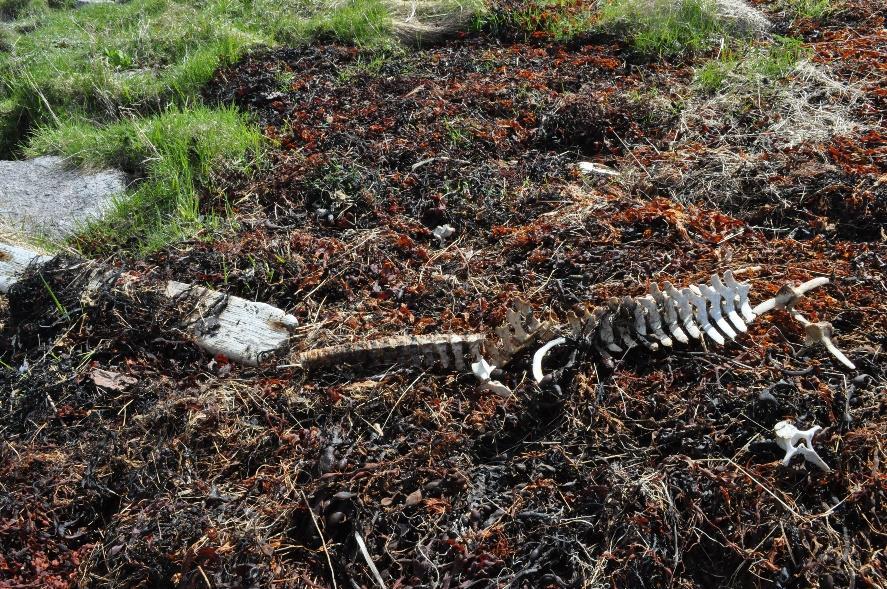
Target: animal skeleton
[
  {"x": 658, "y": 319},
  {"x": 667, "y": 314}
]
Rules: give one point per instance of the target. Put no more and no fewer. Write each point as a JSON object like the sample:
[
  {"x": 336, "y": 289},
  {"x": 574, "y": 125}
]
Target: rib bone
[
  {"x": 654, "y": 320},
  {"x": 729, "y": 295},
  {"x": 714, "y": 299},
  {"x": 684, "y": 311},
  {"x": 671, "y": 314},
  {"x": 701, "y": 314},
  {"x": 742, "y": 289}
]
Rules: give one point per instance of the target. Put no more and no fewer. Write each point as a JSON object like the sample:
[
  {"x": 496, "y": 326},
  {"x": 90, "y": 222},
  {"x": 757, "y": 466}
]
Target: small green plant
[
  {"x": 751, "y": 64},
  {"x": 58, "y": 305},
  {"x": 713, "y": 74},
  {"x": 663, "y": 27},
  {"x": 362, "y": 22},
  {"x": 779, "y": 58},
  {"x": 118, "y": 58},
  {"x": 808, "y": 9}
]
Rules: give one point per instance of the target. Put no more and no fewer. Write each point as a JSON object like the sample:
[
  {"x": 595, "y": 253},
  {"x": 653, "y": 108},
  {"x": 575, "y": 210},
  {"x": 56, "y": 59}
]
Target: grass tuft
[
  {"x": 808, "y": 9},
  {"x": 663, "y": 27},
  {"x": 174, "y": 154},
  {"x": 751, "y": 65}
]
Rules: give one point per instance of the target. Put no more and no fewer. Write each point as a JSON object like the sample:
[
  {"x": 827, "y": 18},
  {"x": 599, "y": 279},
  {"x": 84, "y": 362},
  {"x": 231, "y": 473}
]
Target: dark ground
[{"x": 191, "y": 472}]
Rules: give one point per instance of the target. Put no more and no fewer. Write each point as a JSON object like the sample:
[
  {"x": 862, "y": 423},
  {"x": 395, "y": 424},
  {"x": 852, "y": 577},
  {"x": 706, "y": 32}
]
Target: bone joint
[
  {"x": 795, "y": 441},
  {"x": 816, "y": 333}
]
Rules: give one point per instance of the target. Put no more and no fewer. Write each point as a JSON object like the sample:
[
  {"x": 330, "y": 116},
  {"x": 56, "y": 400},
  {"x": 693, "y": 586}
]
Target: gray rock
[
  {"x": 82, "y": 3},
  {"x": 44, "y": 196}
]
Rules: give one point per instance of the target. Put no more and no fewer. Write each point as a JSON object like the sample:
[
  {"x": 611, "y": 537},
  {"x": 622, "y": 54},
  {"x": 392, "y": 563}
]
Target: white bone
[
  {"x": 504, "y": 334},
  {"x": 624, "y": 334},
  {"x": 443, "y": 232},
  {"x": 514, "y": 321},
  {"x": 575, "y": 324},
  {"x": 729, "y": 296},
  {"x": 742, "y": 289},
  {"x": 428, "y": 353},
  {"x": 795, "y": 441},
  {"x": 684, "y": 311},
  {"x": 701, "y": 314},
  {"x": 484, "y": 371},
  {"x": 606, "y": 333},
  {"x": 822, "y": 332},
  {"x": 474, "y": 348},
  {"x": 714, "y": 302},
  {"x": 671, "y": 315},
  {"x": 640, "y": 321},
  {"x": 540, "y": 354},
  {"x": 654, "y": 320},
  {"x": 788, "y": 296}
]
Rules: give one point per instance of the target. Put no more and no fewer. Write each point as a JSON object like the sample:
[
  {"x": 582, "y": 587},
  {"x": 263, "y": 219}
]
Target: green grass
[
  {"x": 808, "y": 9},
  {"x": 119, "y": 84},
  {"x": 663, "y": 27},
  {"x": 178, "y": 152},
  {"x": 145, "y": 55},
  {"x": 751, "y": 65}
]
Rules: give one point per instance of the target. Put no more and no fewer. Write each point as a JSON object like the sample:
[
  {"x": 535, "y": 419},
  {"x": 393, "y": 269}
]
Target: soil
[{"x": 132, "y": 460}]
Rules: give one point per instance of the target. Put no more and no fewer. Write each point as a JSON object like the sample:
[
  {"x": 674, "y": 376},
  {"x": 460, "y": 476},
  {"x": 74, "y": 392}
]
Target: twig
[{"x": 370, "y": 563}]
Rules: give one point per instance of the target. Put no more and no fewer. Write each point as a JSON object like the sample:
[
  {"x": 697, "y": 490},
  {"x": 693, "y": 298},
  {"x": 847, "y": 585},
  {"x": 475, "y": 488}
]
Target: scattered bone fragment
[
  {"x": 595, "y": 168},
  {"x": 795, "y": 441},
  {"x": 821, "y": 332},
  {"x": 484, "y": 372},
  {"x": 443, "y": 233}
]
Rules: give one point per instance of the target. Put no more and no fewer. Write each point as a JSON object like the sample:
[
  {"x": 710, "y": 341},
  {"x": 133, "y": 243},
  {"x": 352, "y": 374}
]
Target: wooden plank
[
  {"x": 243, "y": 331},
  {"x": 14, "y": 260}
]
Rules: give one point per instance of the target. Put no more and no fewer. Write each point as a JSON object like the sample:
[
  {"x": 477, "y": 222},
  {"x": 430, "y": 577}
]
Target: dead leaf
[
  {"x": 113, "y": 381},
  {"x": 414, "y": 498}
]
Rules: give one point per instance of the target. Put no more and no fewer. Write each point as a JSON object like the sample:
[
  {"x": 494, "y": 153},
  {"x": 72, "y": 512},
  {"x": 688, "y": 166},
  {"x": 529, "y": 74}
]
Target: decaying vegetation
[{"x": 130, "y": 458}]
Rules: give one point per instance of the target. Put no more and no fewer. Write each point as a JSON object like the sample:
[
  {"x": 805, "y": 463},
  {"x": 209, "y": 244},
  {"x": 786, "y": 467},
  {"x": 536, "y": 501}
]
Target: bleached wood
[
  {"x": 14, "y": 260},
  {"x": 243, "y": 331}
]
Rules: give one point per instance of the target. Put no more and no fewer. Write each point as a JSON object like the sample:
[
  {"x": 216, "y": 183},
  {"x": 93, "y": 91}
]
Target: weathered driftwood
[
  {"x": 14, "y": 260},
  {"x": 243, "y": 331}
]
